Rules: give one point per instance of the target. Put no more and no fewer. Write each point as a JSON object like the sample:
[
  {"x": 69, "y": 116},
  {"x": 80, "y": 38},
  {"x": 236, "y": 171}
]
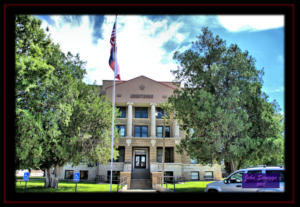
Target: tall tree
[
  {"x": 168, "y": 116},
  {"x": 59, "y": 118},
  {"x": 231, "y": 118}
]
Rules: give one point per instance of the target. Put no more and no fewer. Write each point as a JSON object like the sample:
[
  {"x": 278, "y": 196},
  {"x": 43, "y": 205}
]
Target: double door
[{"x": 140, "y": 161}]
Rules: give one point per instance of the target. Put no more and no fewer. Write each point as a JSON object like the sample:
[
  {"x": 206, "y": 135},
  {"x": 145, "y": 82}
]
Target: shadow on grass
[{"x": 189, "y": 190}]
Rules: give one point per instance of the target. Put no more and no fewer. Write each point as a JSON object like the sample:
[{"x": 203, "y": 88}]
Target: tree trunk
[
  {"x": 51, "y": 178},
  {"x": 230, "y": 166}
]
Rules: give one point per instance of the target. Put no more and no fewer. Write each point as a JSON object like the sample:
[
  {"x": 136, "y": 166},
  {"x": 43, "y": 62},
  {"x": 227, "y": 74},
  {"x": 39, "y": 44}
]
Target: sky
[{"x": 146, "y": 43}]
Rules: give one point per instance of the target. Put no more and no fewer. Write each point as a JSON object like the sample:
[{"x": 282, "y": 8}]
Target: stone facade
[{"x": 142, "y": 151}]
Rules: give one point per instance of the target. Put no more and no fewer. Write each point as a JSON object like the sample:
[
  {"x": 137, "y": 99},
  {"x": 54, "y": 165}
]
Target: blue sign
[
  {"x": 76, "y": 176},
  {"x": 26, "y": 176}
]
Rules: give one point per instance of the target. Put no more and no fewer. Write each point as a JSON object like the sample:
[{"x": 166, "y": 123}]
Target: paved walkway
[{"x": 139, "y": 191}]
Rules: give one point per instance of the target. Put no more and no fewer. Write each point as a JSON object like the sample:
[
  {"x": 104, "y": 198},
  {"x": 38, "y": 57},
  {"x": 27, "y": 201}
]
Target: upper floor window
[
  {"x": 141, "y": 112},
  {"x": 121, "y": 130},
  {"x": 160, "y": 113},
  {"x": 123, "y": 111},
  {"x": 159, "y": 131},
  {"x": 141, "y": 131},
  {"x": 167, "y": 131}
]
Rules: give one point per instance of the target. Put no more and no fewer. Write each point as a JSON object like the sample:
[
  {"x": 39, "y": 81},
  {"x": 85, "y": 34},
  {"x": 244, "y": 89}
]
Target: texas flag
[{"x": 113, "y": 53}]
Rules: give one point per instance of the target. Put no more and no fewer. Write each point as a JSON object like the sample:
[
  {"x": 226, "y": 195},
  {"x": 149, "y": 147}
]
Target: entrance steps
[
  {"x": 140, "y": 174},
  {"x": 141, "y": 184},
  {"x": 139, "y": 191}
]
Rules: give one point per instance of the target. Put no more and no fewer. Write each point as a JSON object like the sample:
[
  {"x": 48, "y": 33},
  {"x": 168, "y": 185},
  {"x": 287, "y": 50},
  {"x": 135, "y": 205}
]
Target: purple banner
[{"x": 259, "y": 180}]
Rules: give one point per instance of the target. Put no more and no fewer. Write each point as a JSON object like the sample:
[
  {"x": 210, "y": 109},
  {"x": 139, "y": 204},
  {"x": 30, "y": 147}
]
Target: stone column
[
  {"x": 153, "y": 120},
  {"x": 176, "y": 129},
  {"x": 153, "y": 151},
  {"x": 129, "y": 120},
  {"x": 128, "y": 151}
]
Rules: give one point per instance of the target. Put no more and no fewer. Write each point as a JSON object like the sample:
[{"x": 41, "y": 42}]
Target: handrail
[{"x": 122, "y": 183}]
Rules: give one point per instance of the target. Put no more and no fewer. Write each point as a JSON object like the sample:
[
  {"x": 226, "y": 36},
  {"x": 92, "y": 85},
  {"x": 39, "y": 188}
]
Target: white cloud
[
  {"x": 237, "y": 23},
  {"x": 276, "y": 90},
  {"x": 139, "y": 52}
]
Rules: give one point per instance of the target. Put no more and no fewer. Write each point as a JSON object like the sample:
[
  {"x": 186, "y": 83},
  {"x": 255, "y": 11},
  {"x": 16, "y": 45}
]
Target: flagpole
[
  {"x": 113, "y": 112},
  {"x": 112, "y": 134}
]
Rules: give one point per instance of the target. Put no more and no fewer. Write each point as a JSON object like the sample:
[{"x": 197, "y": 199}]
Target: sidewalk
[{"x": 139, "y": 191}]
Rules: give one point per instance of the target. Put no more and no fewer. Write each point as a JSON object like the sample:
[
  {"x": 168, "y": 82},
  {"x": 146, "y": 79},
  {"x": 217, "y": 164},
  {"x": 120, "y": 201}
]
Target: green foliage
[
  {"x": 230, "y": 115},
  {"x": 59, "y": 118}
]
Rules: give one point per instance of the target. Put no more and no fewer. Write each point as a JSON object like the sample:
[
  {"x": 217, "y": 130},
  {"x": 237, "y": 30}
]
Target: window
[
  {"x": 208, "y": 175},
  {"x": 159, "y": 131},
  {"x": 281, "y": 172},
  {"x": 140, "y": 131},
  {"x": 159, "y": 154},
  {"x": 84, "y": 174},
  {"x": 193, "y": 161},
  {"x": 123, "y": 111},
  {"x": 115, "y": 176},
  {"x": 160, "y": 113},
  {"x": 194, "y": 175},
  {"x": 141, "y": 112},
  {"x": 168, "y": 176},
  {"x": 237, "y": 177},
  {"x": 169, "y": 154},
  {"x": 69, "y": 174},
  {"x": 167, "y": 133},
  {"x": 254, "y": 171},
  {"x": 121, "y": 154},
  {"x": 121, "y": 130},
  {"x": 91, "y": 164}
]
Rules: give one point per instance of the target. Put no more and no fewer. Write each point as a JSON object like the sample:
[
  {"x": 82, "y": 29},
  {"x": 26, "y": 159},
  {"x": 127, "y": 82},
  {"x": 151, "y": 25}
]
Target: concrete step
[
  {"x": 139, "y": 191},
  {"x": 140, "y": 174},
  {"x": 141, "y": 184}
]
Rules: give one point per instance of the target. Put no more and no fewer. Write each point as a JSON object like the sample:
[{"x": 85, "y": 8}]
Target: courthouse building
[{"x": 141, "y": 144}]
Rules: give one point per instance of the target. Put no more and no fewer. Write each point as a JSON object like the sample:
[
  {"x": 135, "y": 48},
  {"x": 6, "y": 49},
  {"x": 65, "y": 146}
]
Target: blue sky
[{"x": 146, "y": 43}]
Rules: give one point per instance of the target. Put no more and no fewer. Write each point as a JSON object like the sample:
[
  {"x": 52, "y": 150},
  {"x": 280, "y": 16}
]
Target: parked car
[{"x": 233, "y": 183}]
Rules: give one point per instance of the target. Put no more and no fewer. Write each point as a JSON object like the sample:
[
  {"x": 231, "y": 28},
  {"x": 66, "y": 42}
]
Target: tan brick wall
[
  {"x": 155, "y": 179},
  {"x": 160, "y": 92},
  {"x": 152, "y": 154},
  {"x": 128, "y": 154},
  {"x": 127, "y": 176}
]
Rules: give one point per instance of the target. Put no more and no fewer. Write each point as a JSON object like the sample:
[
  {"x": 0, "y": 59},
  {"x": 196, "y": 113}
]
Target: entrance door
[{"x": 140, "y": 161}]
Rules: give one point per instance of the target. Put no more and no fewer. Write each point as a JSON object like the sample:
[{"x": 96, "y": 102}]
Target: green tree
[
  {"x": 168, "y": 116},
  {"x": 222, "y": 102},
  {"x": 59, "y": 118}
]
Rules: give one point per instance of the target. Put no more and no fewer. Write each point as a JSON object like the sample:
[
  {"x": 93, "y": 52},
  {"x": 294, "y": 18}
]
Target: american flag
[{"x": 113, "y": 53}]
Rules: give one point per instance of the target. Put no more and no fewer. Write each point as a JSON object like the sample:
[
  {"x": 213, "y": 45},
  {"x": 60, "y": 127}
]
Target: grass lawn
[
  {"x": 35, "y": 185},
  {"x": 195, "y": 186}
]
